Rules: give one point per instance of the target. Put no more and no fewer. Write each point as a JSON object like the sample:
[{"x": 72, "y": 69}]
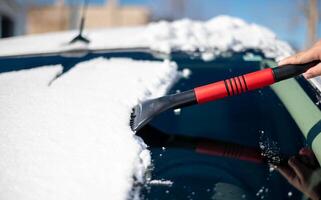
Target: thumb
[{"x": 313, "y": 72}]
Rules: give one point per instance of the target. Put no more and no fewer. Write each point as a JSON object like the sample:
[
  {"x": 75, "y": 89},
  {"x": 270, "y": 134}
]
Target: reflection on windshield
[{"x": 257, "y": 119}]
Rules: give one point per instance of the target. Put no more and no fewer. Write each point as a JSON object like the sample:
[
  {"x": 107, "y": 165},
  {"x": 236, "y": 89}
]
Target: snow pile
[
  {"x": 211, "y": 38},
  {"x": 70, "y": 139}
]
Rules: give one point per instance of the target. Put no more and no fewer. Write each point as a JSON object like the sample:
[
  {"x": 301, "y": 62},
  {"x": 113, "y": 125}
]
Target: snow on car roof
[
  {"x": 211, "y": 37},
  {"x": 69, "y": 137}
]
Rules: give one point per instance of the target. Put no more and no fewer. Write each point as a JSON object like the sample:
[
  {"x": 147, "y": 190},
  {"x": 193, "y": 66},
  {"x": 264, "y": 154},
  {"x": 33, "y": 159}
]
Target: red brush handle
[
  {"x": 234, "y": 86},
  {"x": 230, "y": 150}
]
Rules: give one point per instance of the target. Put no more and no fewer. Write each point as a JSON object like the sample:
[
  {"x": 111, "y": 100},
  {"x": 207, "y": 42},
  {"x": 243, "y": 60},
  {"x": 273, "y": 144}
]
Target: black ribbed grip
[
  {"x": 235, "y": 86},
  {"x": 290, "y": 71}
]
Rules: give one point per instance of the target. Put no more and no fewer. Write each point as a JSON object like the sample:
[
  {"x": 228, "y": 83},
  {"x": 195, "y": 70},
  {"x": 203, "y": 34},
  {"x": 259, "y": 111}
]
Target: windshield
[{"x": 257, "y": 119}]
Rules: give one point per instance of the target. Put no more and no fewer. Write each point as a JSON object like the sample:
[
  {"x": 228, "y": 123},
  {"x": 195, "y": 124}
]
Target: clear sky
[{"x": 284, "y": 17}]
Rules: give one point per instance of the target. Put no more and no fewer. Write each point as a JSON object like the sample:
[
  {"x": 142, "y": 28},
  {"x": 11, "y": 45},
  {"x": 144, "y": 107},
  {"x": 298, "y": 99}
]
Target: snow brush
[{"x": 146, "y": 111}]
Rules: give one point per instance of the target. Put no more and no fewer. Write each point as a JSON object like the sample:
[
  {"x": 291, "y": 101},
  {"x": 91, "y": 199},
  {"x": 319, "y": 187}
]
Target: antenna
[{"x": 80, "y": 37}]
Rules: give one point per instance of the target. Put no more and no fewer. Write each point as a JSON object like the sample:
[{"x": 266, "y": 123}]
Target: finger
[
  {"x": 298, "y": 167},
  {"x": 303, "y": 57},
  {"x": 309, "y": 163},
  {"x": 290, "y": 60},
  {"x": 313, "y": 72},
  {"x": 287, "y": 172}
]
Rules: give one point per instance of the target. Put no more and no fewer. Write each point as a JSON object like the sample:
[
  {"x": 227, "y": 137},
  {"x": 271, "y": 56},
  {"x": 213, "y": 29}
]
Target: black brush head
[
  {"x": 135, "y": 117},
  {"x": 144, "y": 112}
]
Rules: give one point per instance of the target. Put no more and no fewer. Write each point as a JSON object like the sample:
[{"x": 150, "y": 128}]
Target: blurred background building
[
  {"x": 296, "y": 21},
  {"x": 12, "y": 18},
  {"x": 62, "y": 16}
]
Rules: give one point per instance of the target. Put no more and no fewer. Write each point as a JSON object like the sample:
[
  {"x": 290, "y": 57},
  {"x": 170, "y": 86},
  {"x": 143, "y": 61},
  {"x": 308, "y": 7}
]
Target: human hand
[
  {"x": 304, "y": 173},
  {"x": 314, "y": 53}
]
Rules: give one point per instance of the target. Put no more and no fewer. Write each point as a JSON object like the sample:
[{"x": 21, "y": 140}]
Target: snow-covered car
[{"x": 64, "y": 128}]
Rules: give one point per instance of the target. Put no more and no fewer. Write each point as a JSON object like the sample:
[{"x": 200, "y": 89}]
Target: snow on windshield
[{"x": 71, "y": 139}]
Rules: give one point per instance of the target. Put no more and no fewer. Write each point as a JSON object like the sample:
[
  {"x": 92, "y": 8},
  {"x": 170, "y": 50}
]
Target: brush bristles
[{"x": 132, "y": 119}]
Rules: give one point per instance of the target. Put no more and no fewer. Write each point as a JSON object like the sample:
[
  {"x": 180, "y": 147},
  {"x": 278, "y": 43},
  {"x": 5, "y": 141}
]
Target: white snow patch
[
  {"x": 161, "y": 182},
  {"x": 177, "y": 111},
  {"x": 71, "y": 139},
  {"x": 186, "y": 73},
  {"x": 210, "y": 38}
]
